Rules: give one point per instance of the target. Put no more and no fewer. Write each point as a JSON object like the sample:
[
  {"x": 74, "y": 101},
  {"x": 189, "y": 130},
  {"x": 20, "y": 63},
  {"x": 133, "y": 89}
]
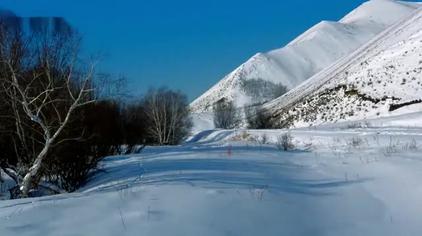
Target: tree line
[{"x": 55, "y": 125}]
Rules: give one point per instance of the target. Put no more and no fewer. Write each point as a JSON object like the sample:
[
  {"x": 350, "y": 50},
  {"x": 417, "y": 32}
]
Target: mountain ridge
[
  {"x": 308, "y": 54},
  {"x": 376, "y": 80}
]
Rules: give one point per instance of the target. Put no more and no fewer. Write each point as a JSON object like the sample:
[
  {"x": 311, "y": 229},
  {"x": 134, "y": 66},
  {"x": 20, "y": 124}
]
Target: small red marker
[{"x": 229, "y": 150}]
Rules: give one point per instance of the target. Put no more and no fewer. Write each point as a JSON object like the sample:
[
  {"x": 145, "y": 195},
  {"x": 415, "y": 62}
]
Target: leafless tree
[
  {"x": 167, "y": 115},
  {"x": 257, "y": 117},
  {"x": 226, "y": 116},
  {"x": 285, "y": 142},
  {"x": 45, "y": 85},
  {"x": 109, "y": 87}
]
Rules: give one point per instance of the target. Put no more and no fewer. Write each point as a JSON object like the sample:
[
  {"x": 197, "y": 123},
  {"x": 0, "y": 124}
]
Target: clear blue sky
[{"x": 185, "y": 44}]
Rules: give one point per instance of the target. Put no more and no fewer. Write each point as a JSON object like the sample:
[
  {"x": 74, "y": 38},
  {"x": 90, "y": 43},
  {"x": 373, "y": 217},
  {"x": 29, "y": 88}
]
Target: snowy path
[{"x": 208, "y": 187}]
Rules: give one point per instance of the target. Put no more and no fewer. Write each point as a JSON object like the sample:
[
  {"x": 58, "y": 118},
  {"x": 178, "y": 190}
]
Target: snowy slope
[
  {"x": 382, "y": 78},
  {"x": 201, "y": 188},
  {"x": 306, "y": 55},
  {"x": 201, "y": 122}
]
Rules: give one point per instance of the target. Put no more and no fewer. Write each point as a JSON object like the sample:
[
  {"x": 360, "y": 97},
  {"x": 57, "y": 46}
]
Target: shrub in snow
[
  {"x": 226, "y": 115},
  {"x": 285, "y": 142},
  {"x": 263, "y": 139},
  {"x": 257, "y": 117},
  {"x": 261, "y": 90},
  {"x": 411, "y": 146},
  {"x": 243, "y": 136},
  {"x": 358, "y": 125},
  {"x": 392, "y": 147},
  {"x": 355, "y": 142}
]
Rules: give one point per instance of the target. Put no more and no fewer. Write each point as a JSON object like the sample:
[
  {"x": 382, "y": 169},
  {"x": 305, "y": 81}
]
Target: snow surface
[
  {"x": 228, "y": 183},
  {"x": 308, "y": 54},
  {"x": 202, "y": 121}
]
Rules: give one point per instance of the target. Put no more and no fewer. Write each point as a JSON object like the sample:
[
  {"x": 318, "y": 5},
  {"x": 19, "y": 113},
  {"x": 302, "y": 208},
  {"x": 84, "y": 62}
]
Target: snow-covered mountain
[
  {"x": 381, "y": 78},
  {"x": 308, "y": 54}
]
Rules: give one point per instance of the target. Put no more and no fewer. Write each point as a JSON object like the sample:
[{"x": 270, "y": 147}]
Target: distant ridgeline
[{"x": 43, "y": 25}]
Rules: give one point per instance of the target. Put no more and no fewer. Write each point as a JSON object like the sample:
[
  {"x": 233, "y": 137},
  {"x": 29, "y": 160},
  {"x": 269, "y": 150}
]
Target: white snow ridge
[
  {"x": 308, "y": 54},
  {"x": 382, "y": 78}
]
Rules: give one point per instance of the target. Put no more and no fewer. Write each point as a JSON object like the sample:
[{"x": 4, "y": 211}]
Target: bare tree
[
  {"x": 226, "y": 115},
  {"x": 261, "y": 90},
  {"x": 167, "y": 115},
  {"x": 45, "y": 86},
  {"x": 285, "y": 142},
  {"x": 257, "y": 117}
]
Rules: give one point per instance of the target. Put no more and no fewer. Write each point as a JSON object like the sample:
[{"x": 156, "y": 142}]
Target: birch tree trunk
[
  {"x": 45, "y": 84},
  {"x": 28, "y": 180}
]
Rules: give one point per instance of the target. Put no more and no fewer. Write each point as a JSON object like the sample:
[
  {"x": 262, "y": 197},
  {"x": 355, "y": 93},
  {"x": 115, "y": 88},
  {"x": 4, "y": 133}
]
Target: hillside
[
  {"x": 382, "y": 78},
  {"x": 308, "y": 54}
]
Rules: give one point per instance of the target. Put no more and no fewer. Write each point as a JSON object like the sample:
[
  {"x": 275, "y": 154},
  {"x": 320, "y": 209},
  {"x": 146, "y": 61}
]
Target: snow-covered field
[{"x": 337, "y": 181}]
